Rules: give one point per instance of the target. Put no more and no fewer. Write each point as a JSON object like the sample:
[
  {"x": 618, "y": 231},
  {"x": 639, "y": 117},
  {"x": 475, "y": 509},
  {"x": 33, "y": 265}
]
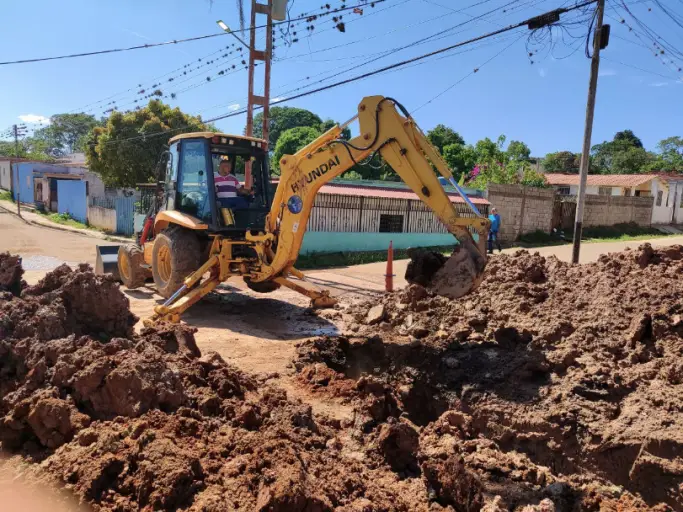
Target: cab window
[{"x": 193, "y": 183}]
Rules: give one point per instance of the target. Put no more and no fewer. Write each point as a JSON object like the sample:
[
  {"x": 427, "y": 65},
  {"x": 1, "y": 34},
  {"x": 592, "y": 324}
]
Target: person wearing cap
[{"x": 493, "y": 233}]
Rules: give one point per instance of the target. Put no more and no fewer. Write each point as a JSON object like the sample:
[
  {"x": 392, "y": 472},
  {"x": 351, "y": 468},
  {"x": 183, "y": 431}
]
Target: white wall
[
  {"x": 102, "y": 218},
  {"x": 5, "y": 174},
  {"x": 661, "y": 214},
  {"x": 675, "y": 199}
]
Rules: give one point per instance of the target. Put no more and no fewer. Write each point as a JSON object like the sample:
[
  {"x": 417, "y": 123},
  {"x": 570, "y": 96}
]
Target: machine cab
[{"x": 205, "y": 180}]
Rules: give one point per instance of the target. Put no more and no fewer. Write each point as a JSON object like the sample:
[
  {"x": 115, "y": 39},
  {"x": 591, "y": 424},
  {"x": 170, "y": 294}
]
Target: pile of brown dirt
[
  {"x": 10, "y": 273},
  {"x": 145, "y": 422},
  {"x": 549, "y": 382}
]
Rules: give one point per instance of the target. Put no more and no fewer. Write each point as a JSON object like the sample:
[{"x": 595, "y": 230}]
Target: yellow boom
[{"x": 383, "y": 130}]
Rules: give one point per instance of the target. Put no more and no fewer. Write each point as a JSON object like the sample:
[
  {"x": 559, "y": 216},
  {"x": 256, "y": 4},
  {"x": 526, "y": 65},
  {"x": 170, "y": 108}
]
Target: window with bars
[
  {"x": 390, "y": 223},
  {"x": 605, "y": 191},
  {"x": 660, "y": 195},
  {"x": 563, "y": 191}
]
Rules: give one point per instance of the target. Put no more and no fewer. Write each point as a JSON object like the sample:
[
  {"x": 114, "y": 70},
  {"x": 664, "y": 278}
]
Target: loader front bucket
[{"x": 107, "y": 260}]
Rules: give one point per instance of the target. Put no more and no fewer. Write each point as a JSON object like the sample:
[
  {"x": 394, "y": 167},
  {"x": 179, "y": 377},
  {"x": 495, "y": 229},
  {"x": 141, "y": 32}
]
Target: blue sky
[{"x": 542, "y": 104}]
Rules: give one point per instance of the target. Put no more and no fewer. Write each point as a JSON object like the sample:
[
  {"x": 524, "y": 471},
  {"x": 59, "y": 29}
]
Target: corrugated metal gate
[{"x": 125, "y": 215}]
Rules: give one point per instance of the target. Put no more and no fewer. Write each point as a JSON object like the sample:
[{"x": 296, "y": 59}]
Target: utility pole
[
  {"x": 265, "y": 56},
  {"x": 600, "y": 40},
  {"x": 19, "y": 131}
]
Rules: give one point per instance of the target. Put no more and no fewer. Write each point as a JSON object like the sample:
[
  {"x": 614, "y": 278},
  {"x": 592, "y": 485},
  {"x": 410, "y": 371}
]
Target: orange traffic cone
[{"x": 389, "y": 276}]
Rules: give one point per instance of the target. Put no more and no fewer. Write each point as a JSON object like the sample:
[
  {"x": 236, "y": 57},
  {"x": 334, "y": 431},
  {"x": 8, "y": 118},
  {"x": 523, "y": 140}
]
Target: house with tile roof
[{"x": 666, "y": 191}]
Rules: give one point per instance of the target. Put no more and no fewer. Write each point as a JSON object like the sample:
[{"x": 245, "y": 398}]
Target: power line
[
  {"x": 414, "y": 59},
  {"x": 225, "y": 73},
  {"x": 433, "y": 37},
  {"x": 308, "y": 17},
  {"x": 475, "y": 70},
  {"x": 643, "y": 70},
  {"x": 370, "y": 73},
  {"x": 174, "y": 41}
]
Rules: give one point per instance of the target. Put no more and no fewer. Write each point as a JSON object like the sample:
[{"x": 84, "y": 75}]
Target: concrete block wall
[
  {"x": 611, "y": 210},
  {"x": 522, "y": 209}
]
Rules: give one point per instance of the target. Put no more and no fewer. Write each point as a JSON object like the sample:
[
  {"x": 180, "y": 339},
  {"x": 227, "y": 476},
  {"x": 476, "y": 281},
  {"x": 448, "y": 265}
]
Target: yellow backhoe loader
[{"x": 192, "y": 242}]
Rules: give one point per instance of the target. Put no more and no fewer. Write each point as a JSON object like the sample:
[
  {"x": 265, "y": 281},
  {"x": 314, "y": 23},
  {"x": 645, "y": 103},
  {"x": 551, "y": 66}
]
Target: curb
[
  {"x": 15, "y": 214},
  {"x": 50, "y": 225}
]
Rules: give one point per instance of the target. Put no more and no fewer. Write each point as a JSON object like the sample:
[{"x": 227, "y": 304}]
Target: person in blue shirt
[{"x": 493, "y": 233}]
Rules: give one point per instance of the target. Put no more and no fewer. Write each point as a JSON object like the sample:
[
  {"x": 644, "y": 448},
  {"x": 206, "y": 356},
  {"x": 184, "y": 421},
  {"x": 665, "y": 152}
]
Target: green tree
[
  {"x": 66, "y": 133},
  {"x": 460, "y": 159},
  {"x": 126, "y": 149},
  {"x": 282, "y": 119},
  {"x": 562, "y": 161},
  {"x": 629, "y": 138},
  {"x": 441, "y": 136},
  {"x": 622, "y": 155},
  {"x": 518, "y": 151},
  {"x": 487, "y": 150},
  {"x": 671, "y": 154},
  {"x": 291, "y": 141},
  {"x": 31, "y": 148},
  {"x": 630, "y": 160},
  {"x": 327, "y": 124}
]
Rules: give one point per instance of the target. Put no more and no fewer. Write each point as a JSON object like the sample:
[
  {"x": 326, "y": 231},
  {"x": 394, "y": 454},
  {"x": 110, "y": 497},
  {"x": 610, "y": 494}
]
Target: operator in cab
[{"x": 229, "y": 192}]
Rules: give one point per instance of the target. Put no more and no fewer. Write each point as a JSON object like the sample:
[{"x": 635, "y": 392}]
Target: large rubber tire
[
  {"x": 176, "y": 254},
  {"x": 130, "y": 261}
]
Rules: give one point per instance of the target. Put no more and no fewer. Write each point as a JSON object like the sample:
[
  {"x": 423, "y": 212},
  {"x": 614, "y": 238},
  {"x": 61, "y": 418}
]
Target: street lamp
[{"x": 224, "y": 27}]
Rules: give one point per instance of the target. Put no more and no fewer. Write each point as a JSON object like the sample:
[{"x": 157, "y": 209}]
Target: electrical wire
[
  {"x": 365, "y": 75},
  {"x": 166, "y": 43},
  {"x": 462, "y": 79},
  {"x": 225, "y": 73}
]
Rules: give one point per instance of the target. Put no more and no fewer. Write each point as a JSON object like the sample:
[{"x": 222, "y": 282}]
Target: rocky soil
[
  {"x": 550, "y": 382},
  {"x": 551, "y": 388}
]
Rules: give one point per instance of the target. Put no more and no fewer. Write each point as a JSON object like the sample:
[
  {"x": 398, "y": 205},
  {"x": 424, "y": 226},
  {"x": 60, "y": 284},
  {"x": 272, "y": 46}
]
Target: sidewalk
[{"x": 28, "y": 215}]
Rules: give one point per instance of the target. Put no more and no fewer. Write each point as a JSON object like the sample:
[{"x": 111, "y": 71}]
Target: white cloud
[
  {"x": 277, "y": 98},
  {"x": 607, "y": 72},
  {"x": 542, "y": 72},
  {"x": 34, "y": 119},
  {"x": 234, "y": 106},
  {"x": 659, "y": 84}
]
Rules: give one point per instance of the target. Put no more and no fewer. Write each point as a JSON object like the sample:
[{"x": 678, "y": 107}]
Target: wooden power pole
[
  {"x": 264, "y": 55},
  {"x": 19, "y": 131},
  {"x": 600, "y": 40}
]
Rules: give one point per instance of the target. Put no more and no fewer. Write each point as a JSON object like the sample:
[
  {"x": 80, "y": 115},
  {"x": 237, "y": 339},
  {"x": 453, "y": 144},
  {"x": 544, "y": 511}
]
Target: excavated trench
[{"x": 577, "y": 368}]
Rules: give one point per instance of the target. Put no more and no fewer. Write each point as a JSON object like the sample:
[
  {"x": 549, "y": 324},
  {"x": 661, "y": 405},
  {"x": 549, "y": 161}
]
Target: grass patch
[
  {"x": 66, "y": 220},
  {"x": 624, "y": 232},
  {"x": 6, "y": 195},
  {"x": 318, "y": 260},
  {"x": 541, "y": 239}
]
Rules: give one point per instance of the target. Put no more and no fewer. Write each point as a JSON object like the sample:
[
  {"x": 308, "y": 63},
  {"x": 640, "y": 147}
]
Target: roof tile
[{"x": 601, "y": 180}]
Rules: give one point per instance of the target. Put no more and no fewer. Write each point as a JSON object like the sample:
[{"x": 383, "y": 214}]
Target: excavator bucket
[
  {"x": 107, "y": 260},
  {"x": 453, "y": 276}
]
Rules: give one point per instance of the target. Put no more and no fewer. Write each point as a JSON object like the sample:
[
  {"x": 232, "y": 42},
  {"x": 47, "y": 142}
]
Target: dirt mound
[
  {"x": 145, "y": 422},
  {"x": 549, "y": 382},
  {"x": 10, "y": 273}
]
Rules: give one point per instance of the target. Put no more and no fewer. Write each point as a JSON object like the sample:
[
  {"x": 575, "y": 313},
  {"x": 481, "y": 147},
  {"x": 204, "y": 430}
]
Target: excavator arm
[
  {"x": 383, "y": 130},
  {"x": 401, "y": 143}
]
